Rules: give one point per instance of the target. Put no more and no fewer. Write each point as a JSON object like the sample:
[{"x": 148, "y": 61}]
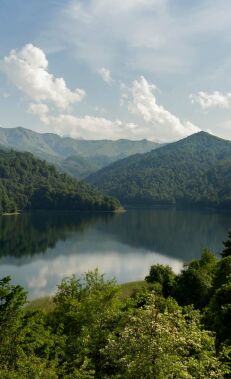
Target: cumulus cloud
[
  {"x": 28, "y": 71},
  {"x": 210, "y": 100},
  {"x": 105, "y": 75},
  {"x": 40, "y": 110},
  {"x": 162, "y": 123},
  {"x": 51, "y": 100},
  {"x": 90, "y": 127}
]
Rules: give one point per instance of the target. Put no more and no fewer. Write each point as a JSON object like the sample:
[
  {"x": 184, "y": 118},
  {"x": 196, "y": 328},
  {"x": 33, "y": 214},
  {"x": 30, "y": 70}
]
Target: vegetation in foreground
[
  {"x": 175, "y": 326},
  {"x": 26, "y": 183}
]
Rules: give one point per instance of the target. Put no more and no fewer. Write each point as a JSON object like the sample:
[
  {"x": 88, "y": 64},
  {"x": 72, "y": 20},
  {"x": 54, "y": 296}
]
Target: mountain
[
  {"x": 78, "y": 158},
  {"x": 27, "y": 183},
  {"x": 195, "y": 171}
]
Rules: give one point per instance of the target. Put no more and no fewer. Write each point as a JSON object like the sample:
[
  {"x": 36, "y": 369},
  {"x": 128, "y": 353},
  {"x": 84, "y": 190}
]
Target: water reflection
[
  {"x": 39, "y": 249},
  {"x": 176, "y": 233}
]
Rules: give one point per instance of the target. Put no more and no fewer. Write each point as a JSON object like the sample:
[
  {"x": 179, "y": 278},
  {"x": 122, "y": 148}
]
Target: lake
[{"x": 39, "y": 249}]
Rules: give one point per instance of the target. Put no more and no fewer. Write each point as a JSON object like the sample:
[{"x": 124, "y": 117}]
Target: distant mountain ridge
[
  {"x": 193, "y": 171},
  {"x": 76, "y": 157}
]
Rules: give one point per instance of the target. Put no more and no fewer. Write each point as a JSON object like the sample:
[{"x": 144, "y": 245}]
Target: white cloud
[
  {"x": 28, "y": 71},
  {"x": 106, "y": 75},
  {"x": 40, "y": 110},
  {"x": 160, "y": 122},
  {"x": 90, "y": 127},
  {"x": 160, "y": 125},
  {"x": 210, "y": 100}
]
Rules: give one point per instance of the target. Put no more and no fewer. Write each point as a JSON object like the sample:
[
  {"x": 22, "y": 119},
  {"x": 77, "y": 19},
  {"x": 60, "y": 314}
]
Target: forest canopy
[
  {"x": 195, "y": 171},
  {"x": 92, "y": 330},
  {"x": 27, "y": 183}
]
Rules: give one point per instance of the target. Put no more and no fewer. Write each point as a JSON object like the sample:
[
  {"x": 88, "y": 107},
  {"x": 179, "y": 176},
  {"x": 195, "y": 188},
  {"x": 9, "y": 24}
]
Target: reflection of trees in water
[
  {"x": 33, "y": 233},
  {"x": 181, "y": 234}
]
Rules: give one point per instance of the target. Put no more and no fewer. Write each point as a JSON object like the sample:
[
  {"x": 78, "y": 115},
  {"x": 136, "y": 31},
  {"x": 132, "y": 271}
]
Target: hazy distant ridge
[{"x": 76, "y": 157}]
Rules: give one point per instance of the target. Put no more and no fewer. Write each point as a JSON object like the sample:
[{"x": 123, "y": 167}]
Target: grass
[
  {"x": 130, "y": 288},
  {"x": 46, "y": 303}
]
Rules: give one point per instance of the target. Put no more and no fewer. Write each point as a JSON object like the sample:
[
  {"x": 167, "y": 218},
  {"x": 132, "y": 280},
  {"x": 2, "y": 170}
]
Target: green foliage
[
  {"x": 163, "y": 275},
  {"x": 25, "y": 342},
  {"x": 45, "y": 304},
  {"x": 130, "y": 289},
  {"x": 86, "y": 311},
  {"x": 194, "y": 284},
  {"x": 28, "y": 183},
  {"x": 160, "y": 345},
  {"x": 227, "y": 247},
  {"x": 195, "y": 171},
  {"x": 96, "y": 329},
  {"x": 219, "y": 307},
  {"x": 220, "y": 312},
  {"x": 222, "y": 273},
  {"x": 206, "y": 284}
]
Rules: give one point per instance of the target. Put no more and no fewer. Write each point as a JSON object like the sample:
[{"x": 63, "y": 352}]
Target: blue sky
[{"x": 156, "y": 69}]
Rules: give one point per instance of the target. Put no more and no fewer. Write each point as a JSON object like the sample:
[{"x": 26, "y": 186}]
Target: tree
[
  {"x": 220, "y": 312},
  {"x": 163, "y": 275},
  {"x": 222, "y": 273},
  {"x": 25, "y": 344},
  {"x": 160, "y": 345},
  {"x": 227, "y": 244},
  {"x": 86, "y": 312},
  {"x": 195, "y": 283}
]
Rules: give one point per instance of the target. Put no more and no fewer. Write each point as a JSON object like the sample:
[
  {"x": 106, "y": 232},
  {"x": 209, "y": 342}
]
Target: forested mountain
[
  {"x": 193, "y": 171},
  {"x": 76, "y": 157},
  {"x": 29, "y": 183}
]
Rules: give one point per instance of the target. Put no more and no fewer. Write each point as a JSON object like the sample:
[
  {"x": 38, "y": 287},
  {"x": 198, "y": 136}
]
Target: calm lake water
[{"x": 39, "y": 249}]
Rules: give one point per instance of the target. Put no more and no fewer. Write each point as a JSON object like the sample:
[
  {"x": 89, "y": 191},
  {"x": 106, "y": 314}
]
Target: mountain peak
[
  {"x": 193, "y": 171},
  {"x": 202, "y": 137}
]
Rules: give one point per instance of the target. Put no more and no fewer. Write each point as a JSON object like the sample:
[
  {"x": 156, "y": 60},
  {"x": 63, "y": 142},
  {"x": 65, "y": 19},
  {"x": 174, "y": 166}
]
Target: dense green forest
[
  {"x": 27, "y": 183},
  {"x": 79, "y": 158},
  {"x": 195, "y": 171},
  {"x": 175, "y": 326}
]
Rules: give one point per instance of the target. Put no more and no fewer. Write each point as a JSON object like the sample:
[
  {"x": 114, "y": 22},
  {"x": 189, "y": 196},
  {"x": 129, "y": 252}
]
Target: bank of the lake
[{"x": 46, "y": 303}]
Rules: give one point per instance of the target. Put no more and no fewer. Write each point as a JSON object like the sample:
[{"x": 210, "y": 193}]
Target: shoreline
[
  {"x": 119, "y": 210},
  {"x": 11, "y": 213},
  {"x": 46, "y": 303}
]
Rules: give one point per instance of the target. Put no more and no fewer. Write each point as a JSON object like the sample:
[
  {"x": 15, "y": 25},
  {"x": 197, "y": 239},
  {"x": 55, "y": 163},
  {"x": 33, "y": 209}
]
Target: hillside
[
  {"x": 78, "y": 158},
  {"x": 81, "y": 167},
  {"x": 193, "y": 171},
  {"x": 27, "y": 183}
]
